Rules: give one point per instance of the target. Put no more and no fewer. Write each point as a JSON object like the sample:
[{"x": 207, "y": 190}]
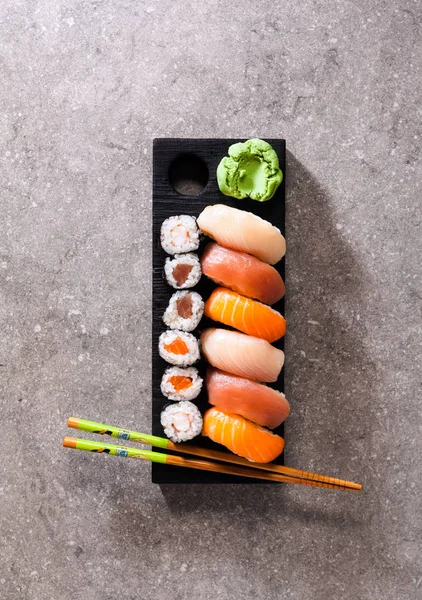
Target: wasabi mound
[{"x": 251, "y": 170}]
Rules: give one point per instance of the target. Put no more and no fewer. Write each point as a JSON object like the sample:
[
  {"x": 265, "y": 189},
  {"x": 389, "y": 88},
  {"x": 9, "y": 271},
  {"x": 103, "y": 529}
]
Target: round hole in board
[{"x": 188, "y": 174}]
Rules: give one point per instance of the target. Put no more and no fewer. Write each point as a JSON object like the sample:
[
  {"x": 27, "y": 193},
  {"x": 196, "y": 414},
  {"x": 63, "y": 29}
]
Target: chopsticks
[
  {"x": 238, "y": 466},
  {"x": 179, "y": 461}
]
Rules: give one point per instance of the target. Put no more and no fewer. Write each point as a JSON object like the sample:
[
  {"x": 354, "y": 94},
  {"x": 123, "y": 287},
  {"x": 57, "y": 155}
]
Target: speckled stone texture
[{"x": 86, "y": 85}]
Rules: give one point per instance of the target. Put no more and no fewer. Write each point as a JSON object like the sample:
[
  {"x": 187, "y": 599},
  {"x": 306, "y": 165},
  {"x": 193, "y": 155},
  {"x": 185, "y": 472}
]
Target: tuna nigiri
[
  {"x": 242, "y": 273},
  {"x": 252, "y": 400},
  {"x": 242, "y": 436},
  {"x": 242, "y": 354},
  {"x": 244, "y": 231},
  {"x": 250, "y": 316}
]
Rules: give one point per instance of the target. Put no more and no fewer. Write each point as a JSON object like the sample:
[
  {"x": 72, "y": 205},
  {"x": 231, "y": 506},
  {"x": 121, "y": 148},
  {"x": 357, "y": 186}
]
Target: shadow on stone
[{"x": 330, "y": 378}]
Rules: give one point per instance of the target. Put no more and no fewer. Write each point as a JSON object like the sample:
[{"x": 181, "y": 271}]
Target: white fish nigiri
[
  {"x": 243, "y": 231},
  {"x": 242, "y": 354}
]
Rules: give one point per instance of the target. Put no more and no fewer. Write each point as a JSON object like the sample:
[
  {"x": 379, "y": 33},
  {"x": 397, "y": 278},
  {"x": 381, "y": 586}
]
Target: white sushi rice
[
  {"x": 179, "y": 234},
  {"x": 193, "y": 277},
  {"x": 180, "y": 360},
  {"x": 174, "y": 320},
  {"x": 168, "y": 390},
  {"x": 181, "y": 421}
]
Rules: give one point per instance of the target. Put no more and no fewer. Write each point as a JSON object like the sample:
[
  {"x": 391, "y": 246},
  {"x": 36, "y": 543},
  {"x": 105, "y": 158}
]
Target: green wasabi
[{"x": 251, "y": 170}]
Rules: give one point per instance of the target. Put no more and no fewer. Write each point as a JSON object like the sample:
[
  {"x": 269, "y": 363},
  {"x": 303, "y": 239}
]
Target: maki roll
[
  {"x": 179, "y": 234},
  {"x": 178, "y": 347},
  {"x": 184, "y": 311},
  {"x": 181, "y": 421},
  {"x": 181, "y": 384},
  {"x": 183, "y": 271}
]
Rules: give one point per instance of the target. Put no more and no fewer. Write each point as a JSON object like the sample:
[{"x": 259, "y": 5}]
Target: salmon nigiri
[
  {"x": 244, "y": 231},
  {"x": 250, "y": 316},
  {"x": 252, "y": 400},
  {"x": 242, "y": 436},
  {"x": 242, "y": 354},
  {"x": 242, "y": 273}
]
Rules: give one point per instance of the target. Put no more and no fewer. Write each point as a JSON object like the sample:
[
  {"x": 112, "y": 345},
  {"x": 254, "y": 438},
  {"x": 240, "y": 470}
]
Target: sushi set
[
  {"x": 218, "y": 321},
  {"x": 218, "y": 303}
]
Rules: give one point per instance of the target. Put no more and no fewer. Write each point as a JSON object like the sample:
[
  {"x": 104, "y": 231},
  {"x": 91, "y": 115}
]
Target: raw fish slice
[
  {"x": 252, "y": 400},
  {"x": 244, "y": 231},
  {"x": 242, "y": 273},
  {"x": 250, "y": 316},
  {"x": 242, "y": 354},
  {"x": 242, "y": 436}
]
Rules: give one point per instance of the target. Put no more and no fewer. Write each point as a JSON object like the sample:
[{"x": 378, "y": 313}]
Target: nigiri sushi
[
  {"x": 242, "y": 436},
  {"x": 252, "y": 400},
  {"x": 250, "y": 316},
  {"x": 242, "y": 273},
  {"x": 242, "y": 354},
  {"x": 244, "y": 231}
]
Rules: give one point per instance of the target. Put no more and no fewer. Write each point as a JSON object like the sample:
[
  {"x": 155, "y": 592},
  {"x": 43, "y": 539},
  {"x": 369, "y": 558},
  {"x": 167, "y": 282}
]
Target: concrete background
[{"x": 86, "y": 85}]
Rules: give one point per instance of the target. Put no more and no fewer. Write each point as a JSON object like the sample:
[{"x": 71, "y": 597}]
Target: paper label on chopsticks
[
  {"x": 123, "y": 435},
  {"x": 121, "y": 452}
]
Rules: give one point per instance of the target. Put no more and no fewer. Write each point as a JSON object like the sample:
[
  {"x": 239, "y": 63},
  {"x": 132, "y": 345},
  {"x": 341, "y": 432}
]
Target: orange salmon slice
[
  {"x": 250, "y": 316},
  {"x": 178, "y": 346},
  {"x": 180, "y": 382},
  {"x": 241, "y": 436}
]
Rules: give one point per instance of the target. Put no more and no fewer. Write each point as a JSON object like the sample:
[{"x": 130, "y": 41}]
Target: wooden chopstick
[
  {"x": 179, "y": 461},
  {"x": 141, "y": 438}
]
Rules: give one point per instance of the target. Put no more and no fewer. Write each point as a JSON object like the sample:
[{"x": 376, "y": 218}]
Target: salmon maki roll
[
  {"x": 241, "y": 436},
  {"x": 181, "y": 384},
  {"x": 244, "y": 231},
  {"x": 252, "y": 400},
  {"x": 178, "y": 347},
  {"x": 242, "y": 273},
  {"x": 250, "y": 316},
  {"x": 242, "y": 354}
]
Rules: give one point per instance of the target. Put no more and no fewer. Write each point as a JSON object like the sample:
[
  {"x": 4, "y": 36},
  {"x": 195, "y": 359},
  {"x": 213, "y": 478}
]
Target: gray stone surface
[{"x": 86, "y": 85}]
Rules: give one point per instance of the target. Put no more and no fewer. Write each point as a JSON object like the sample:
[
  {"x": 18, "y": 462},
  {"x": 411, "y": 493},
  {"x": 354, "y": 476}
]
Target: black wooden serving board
[{"x": 168, "y": 202}]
